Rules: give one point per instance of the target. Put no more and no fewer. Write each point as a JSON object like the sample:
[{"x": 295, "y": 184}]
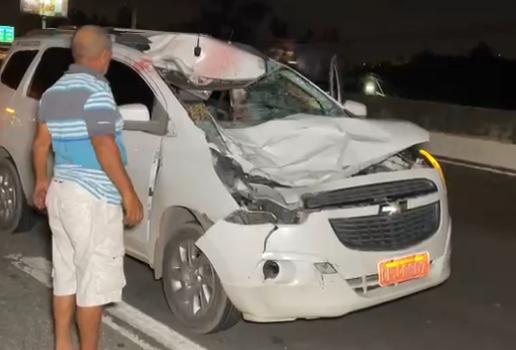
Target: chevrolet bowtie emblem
[{"x": 393, "y": 208}]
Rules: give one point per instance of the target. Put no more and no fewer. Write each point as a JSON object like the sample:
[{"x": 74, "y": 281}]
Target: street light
[{"x": 370, "y": 88}]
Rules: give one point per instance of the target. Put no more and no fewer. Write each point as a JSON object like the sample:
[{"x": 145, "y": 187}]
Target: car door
[{"x": 142, "y": 140}]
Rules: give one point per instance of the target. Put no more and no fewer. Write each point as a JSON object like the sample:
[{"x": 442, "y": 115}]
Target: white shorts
[{"x": 87, "y": 245}]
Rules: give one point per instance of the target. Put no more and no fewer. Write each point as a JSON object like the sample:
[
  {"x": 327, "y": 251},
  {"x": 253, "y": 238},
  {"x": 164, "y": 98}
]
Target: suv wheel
[
  {"x": 15, "y": 215},
  {"x": 192, "y": 288}
]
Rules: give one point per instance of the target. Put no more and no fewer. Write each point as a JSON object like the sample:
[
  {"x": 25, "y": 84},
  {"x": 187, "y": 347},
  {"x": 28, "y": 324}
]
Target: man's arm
[
  {"x": 110, "y": 159},
  {"x": 40, "y": 150}
]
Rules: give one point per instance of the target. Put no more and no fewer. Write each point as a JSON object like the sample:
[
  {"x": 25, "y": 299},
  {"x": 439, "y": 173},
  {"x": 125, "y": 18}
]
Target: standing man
[{"x": 78, "y": 118}]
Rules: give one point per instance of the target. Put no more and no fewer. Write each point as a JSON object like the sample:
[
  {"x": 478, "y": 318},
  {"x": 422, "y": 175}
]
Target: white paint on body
[{"x": 40, "y": 269}]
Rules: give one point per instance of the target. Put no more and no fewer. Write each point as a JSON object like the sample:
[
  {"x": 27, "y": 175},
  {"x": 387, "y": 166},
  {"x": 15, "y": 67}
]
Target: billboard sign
[
  {"x": 6, "y": 34},
  {"x": 47, "y": 8}
]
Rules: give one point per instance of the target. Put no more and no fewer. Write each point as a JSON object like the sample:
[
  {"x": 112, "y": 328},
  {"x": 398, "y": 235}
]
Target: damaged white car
[{"x": 265, "y": 198}]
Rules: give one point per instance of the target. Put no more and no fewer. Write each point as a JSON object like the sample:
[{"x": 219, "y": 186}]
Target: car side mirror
[
  {"x": 355, "y": 108},
  {"x": 135, "y": 113}
]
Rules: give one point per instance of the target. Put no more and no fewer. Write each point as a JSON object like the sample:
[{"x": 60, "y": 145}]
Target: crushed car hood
[
  {"x": 304, "y": 150},
  {"x": 217, "y": 63}
]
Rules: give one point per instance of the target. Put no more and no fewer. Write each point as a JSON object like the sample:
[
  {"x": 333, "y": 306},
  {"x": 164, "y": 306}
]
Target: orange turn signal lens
[{"x": 433, "y": 161}]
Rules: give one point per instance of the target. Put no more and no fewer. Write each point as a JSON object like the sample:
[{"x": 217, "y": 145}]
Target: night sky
[{"x": 372, "y": 29}]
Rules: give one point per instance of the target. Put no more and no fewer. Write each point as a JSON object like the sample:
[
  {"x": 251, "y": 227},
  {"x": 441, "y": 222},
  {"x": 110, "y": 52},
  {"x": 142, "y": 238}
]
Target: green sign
[{"x": 6, "y": 34}]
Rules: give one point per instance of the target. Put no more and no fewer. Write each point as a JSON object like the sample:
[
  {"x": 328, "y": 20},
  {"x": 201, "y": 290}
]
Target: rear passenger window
[
  {"x": 16, "y": 68},
  {"x": 54, "y": 63}
]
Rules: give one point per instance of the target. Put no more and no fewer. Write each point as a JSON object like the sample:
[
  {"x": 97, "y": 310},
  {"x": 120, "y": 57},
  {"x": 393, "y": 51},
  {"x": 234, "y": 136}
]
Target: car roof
[
  {"x": 164, "y": 48},
  {"x": 62, "y": 36},
  {"x": 133, "y": 38},
  {"x": 66, "y": 32}
]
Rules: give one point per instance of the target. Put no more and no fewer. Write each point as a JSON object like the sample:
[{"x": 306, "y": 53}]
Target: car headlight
[
  {"x": 434, "y": 163},
  {"x": 244, "y": 217},
  {"x": 267, "y": 212},
  {"x": 254, "y": 211}
]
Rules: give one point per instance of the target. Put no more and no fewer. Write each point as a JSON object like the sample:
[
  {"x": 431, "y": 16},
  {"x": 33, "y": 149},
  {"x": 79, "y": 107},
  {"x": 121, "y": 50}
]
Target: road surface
[{"x": 474, "y": 310}]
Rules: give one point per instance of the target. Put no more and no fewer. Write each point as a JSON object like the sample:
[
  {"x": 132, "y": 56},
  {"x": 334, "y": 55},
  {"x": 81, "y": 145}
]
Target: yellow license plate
[{"x": 394, "y": 271}]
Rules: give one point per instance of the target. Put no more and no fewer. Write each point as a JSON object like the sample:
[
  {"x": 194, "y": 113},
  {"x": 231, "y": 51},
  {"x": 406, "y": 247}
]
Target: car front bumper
[
  {"x": 314, "y": 295},
  {"x": 302, "y": 290}
]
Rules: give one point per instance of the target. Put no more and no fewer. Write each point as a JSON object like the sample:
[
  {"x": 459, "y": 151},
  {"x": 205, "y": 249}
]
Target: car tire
[
  {"x": 192, "y": 288},
  {"x": 15, "y": 214}
]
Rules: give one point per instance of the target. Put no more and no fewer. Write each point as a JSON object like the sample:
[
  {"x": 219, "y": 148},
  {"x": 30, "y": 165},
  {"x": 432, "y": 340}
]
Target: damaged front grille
[
  {"x": 384, "y": 232},
  {"x": 371, "y": 194}
]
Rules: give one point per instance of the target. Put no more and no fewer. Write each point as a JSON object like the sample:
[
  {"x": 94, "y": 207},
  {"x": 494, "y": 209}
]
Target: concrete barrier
[
  {"x": 480, "y": 136},
  {"x": 475, "y": 151}
]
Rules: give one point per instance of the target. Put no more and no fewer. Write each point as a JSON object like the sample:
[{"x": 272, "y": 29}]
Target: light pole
[
  {"x": 43, "y": 17},
  {"x": 134, "y": 14}
]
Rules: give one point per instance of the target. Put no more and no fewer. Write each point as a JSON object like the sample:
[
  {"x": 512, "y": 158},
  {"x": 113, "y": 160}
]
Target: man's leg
[
  {"x": 78, "y": 221},
  {"x": 64, "y": 309},
  {"x": 97, "y": 235},
  {"x": 64, "y": 274},
  {"x": 89, "y": 319}
]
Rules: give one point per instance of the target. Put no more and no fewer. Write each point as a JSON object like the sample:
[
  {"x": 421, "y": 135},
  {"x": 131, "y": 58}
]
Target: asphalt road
[{"x": 474, "y": 310}]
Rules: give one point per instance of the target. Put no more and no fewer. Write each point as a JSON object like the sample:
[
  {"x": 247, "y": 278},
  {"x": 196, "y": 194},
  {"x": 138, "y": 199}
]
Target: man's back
[{"x": 78, "y": 106}]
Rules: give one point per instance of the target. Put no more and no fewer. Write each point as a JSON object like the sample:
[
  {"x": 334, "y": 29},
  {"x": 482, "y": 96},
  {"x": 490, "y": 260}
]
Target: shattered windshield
[{"x": 278, "y": 94}]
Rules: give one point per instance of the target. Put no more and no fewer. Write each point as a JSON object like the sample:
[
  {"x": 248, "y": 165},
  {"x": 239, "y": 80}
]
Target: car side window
[
  {"x": 16, "y": 67},
  {"x": 54, "y": 63},
  {"x": 129, "y": 87}
]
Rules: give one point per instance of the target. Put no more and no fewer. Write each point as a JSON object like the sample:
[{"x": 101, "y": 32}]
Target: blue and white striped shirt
[{"x": 77, "y": 107}]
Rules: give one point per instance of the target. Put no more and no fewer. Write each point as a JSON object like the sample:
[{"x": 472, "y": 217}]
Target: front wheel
[{"x": 192, "y": 288}]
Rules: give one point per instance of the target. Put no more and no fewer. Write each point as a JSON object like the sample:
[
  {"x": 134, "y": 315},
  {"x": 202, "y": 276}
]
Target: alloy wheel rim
[
  {"x": 192, "y": 279},
  {"x": 8, "y": 197}
]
